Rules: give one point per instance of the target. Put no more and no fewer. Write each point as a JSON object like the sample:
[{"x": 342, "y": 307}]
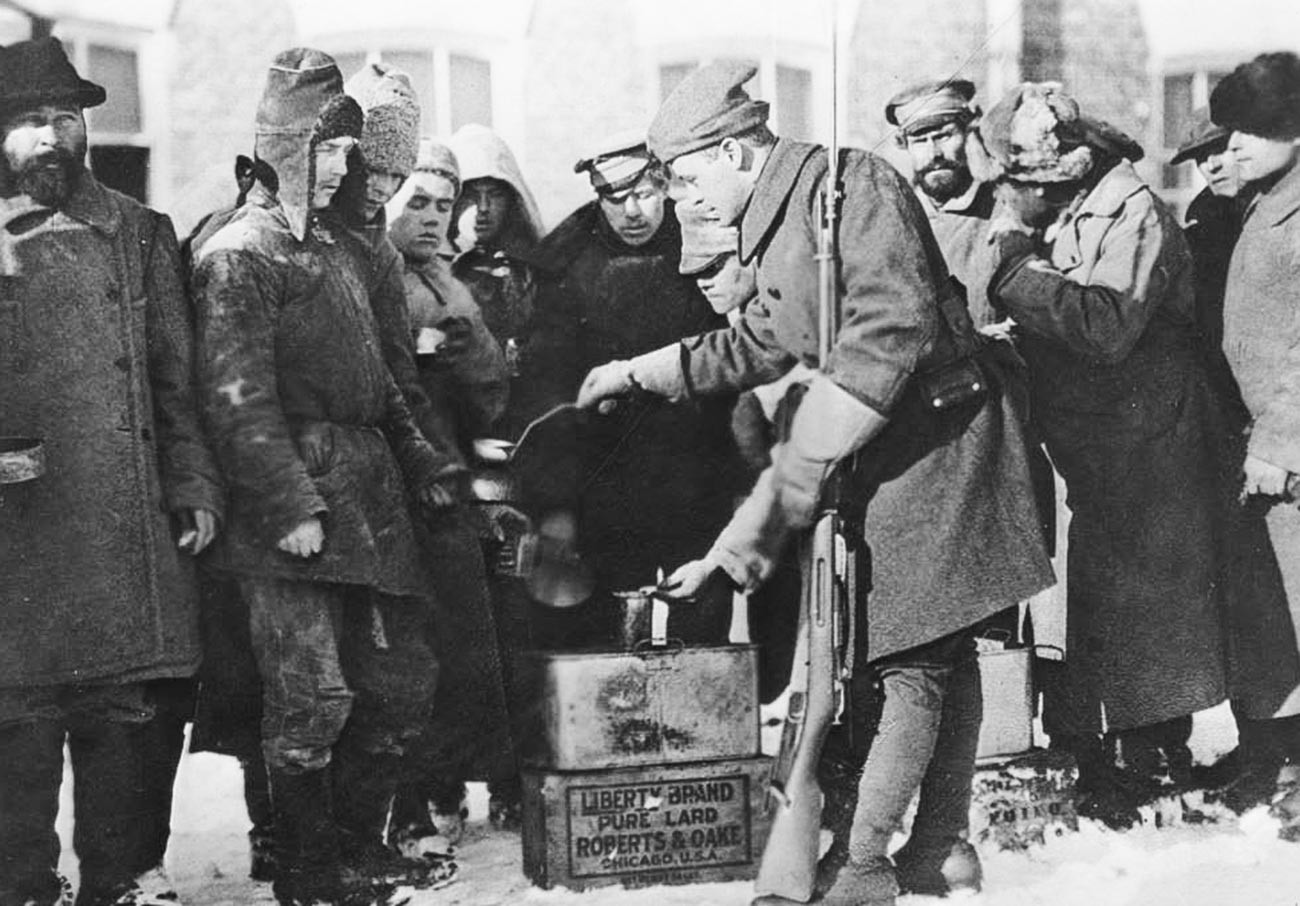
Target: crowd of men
[{"x": 257, "y": 514}]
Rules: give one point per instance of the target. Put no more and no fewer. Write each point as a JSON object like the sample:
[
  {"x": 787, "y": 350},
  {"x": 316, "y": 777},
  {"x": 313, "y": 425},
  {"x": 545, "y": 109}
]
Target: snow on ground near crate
[{"x": 1225, "y": 864}]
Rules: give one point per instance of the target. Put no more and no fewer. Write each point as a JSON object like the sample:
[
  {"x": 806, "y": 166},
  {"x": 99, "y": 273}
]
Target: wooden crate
[{"x": 641, "y": 826}]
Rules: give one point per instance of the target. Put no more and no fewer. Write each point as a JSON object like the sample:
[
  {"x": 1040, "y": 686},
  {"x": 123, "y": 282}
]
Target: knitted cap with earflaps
[{"x": 303, "y": 104}]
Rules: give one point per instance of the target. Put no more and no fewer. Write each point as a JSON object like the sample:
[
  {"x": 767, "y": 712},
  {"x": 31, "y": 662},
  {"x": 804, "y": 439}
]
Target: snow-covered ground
[{"x": 1223, "y": 864}]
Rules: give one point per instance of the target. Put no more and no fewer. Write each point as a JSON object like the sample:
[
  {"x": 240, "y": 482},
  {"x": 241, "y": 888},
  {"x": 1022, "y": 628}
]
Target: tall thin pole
[{"x": 828, "y": 272}]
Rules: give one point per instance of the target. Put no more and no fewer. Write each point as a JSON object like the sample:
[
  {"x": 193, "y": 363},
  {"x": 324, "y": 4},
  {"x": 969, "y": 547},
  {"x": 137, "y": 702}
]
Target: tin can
[{"x": 634, "y": 628}]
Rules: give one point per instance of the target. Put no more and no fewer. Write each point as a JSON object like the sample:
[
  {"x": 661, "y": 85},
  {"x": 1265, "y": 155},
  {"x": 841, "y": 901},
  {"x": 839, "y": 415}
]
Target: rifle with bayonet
[{"x": 825, "y": 643}]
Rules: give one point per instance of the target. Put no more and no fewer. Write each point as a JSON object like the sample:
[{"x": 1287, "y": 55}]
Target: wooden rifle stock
[{"x": 789, "y": 864}]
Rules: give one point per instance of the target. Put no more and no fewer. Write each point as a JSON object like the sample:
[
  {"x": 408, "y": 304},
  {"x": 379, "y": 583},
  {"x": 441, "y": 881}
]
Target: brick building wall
[{"x": 222, "y": 49}]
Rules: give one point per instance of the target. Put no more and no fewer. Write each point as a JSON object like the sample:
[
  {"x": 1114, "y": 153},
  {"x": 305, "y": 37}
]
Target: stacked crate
[{"x": 643, "y": 767}]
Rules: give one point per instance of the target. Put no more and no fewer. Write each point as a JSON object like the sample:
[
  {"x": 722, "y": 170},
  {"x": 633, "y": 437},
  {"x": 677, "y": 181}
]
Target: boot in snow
[
  {"x": 867, "y": 882},
  {"x": 58, "y": 892},
  {"x": 939, "y": 869},
  {"x": 153, "y": 888},
  {"x": 449, "y": 810}
]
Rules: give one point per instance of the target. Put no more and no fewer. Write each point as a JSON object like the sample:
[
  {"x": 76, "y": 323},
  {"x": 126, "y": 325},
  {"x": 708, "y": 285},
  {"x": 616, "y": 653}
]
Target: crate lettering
[{"x": 659, "y": 827}]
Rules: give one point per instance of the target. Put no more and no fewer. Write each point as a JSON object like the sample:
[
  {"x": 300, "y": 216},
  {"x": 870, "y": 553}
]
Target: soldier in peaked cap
[
  {"x": 1096, "y": 273},
  {"x": 97, "y": 364},
  {"x": 951, "y": 523}
]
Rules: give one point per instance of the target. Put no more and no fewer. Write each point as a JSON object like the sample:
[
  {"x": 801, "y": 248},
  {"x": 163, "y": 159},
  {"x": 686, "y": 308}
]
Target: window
[
  {"x": 453, "y": 88},
  {"x": 121, "y": 146},
  {"x": 471, "y": 91},
  {"x": 792, "y": 99}
]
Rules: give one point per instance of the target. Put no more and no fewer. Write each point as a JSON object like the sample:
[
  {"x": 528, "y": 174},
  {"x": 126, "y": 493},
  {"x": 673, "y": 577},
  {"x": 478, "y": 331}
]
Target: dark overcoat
[
  {"x": 657, "y": 481},
  {"x": 950, "y": 516},
  {"x": 1120, "y": 391},
  {"x": 95, "y": 360},
  {"x": 1262, "y": 345},
  {"x": 304, "y": 414}
]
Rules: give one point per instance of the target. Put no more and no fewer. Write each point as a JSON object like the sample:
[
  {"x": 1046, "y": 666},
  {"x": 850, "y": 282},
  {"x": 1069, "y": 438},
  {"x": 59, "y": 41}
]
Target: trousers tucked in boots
[{"x": 925, "y": 739}]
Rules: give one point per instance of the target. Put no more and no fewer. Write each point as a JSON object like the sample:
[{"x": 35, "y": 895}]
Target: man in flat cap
[
  {"x": 100, "y": 608},
  {"x": 1098, "y": 278},
  {"x": 942, "y": 476},
  {"x": 1260, "y": 102},
  {"x": 655, "y": 480}
]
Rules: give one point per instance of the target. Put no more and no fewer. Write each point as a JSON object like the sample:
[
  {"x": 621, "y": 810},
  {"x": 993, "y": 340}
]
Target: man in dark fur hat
[{"x": 1260, "y": 103}]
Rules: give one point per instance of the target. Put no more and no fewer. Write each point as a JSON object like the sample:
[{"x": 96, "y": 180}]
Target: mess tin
[{"x": 21, "y": 459}]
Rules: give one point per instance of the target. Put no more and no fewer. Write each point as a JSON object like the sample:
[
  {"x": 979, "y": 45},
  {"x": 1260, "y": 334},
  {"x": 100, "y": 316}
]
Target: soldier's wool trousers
[{"x": 926, "y": 739}]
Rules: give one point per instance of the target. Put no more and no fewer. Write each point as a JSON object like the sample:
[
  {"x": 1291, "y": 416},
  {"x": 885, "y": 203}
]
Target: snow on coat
[{"x": 304, "y": 414}]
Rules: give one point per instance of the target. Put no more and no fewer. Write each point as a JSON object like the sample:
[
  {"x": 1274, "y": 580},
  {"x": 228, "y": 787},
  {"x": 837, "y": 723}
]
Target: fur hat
[
  {"x": 390, "y": 137},
  {"x": 1037, "y": 133},
  {"x": 1261, "y": 97}
]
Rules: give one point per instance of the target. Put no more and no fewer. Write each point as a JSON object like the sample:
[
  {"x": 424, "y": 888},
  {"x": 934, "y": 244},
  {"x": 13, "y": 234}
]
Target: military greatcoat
[{"x": 950, "y": 515}]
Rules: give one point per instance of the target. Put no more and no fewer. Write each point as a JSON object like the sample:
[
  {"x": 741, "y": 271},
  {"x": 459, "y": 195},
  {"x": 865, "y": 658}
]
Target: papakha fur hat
[
  {"x": 390, "y": 137},
  {"x": 1261, "y": 97}
]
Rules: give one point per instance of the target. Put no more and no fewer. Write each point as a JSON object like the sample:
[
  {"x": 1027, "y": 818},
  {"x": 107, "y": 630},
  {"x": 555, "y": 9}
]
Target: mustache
[{"x": 939, "y": 165}]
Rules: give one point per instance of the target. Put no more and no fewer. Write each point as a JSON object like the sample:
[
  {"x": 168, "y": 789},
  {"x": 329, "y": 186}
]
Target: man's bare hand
[
  {"x": 1263, "y": 478},
  {"x": 306, "y": 539},
  {"x": 603, "y": 384},
  {"x": 201, "y": 535}
]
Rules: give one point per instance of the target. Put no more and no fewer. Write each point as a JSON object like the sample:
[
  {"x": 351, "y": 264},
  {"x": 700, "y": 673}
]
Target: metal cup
[
  {"x": 21, "y": 459},
  {"x": 635, "y": 626}
]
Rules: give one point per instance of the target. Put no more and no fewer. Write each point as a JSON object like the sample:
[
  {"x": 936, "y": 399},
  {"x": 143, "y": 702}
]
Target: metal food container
[
  {"x": 1007, "y": 683},
  {"x": 21, "y": 459},
  {"x": 642, "y": 707},
  {"x": 663, "y": 824}
]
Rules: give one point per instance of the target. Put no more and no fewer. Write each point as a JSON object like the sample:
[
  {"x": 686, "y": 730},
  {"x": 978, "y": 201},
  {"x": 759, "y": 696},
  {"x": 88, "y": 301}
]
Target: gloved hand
[
  {"x": 691, "y": 580},
  {"x": 604, "y": 384},
  {"x": 658, "y": 372}
]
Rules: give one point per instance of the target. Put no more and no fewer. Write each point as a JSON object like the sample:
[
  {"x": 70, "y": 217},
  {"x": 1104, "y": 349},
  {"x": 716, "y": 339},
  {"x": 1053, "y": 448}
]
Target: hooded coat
[
  {"x": 305, "y": 416},
  {"x": 95, "y": 360},
  {"x": 1261, "y": 339},
  {"x": 1121, "y": 394},
  {"x": 500, "y": 277}
]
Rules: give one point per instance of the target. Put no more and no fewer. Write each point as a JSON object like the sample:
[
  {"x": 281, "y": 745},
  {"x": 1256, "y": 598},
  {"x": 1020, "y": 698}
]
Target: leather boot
[
  {"x": 115, "y": 831},
  {"x": 306, "y": 840},
  {"x": 261, "y": 836},
  {"x": 31, "y": 770},
  {"x": 364, "y": 784}
]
